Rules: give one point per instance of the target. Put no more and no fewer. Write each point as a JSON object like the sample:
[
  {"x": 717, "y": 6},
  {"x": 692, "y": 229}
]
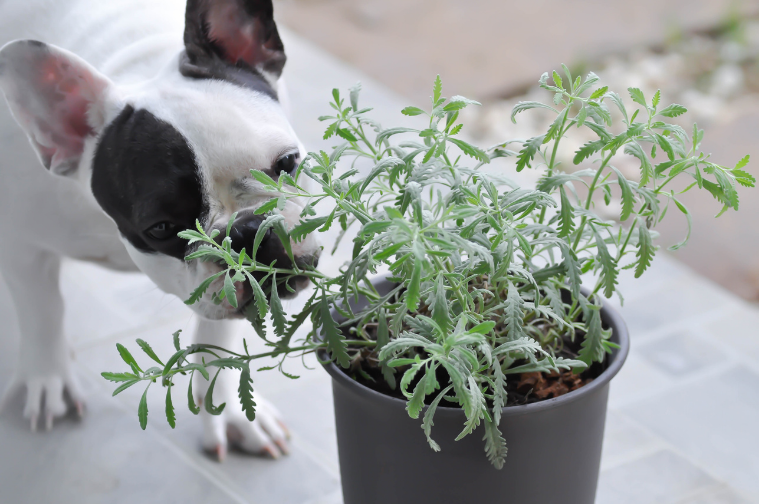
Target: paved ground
[{"x": 682, "y": 425}]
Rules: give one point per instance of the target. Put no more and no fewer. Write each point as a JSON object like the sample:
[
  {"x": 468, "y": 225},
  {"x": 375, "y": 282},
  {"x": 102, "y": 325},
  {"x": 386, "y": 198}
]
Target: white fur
[{"x": 135, "y": 43}]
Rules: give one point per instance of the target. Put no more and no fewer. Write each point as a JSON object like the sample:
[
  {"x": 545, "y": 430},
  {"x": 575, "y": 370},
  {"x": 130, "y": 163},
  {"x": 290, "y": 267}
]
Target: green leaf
[
  {"x": 439, "y": 306},
  {"x": 557, "y": 79},
  {"x": 627, "y": 196},
  {"x": 530, "y": 147},
  {"x": 124, "y": 386},
  {"x": 245, "y": 393},
  {"x": 170, "y": 416},
  {"x": 265, "y": 179},
  {"x": 437, "y": 88},
  {"x": 278, "y": 314},
  {"x": 566, "y": 214},
  {"x": 208, "y": 401},
  {"x": 527, "y": 105},
  {"x": 586, "y": 150},
  {"x": 354, "y": 95},
  {"x": 673, "y": 110},
  {"x": 148, "y": 350},
  {"x": 496, "y": 446},
  {"x": 608, "y": 263},
  {"x": 656, "y": 99},
  {"x": 142, "y": 409},
  {"x": 194, "y": 408},
  {"x": 598, "y": 93},
  {"x": 417, "y": 401},
  {"x": 385, "y": 134},
  {"x": 346, "y": 134},
  {"x": 305, "y": 227},
  {"x": 513, "y": 314},
  {"x": 471, "y": 150},
  {"x": 637, "y": 96},
  {"x": 647, "y": 172},
  {"x": 427, "y": 419},
  {"x": 615, "y": 98},
  {"x": 664, "y": 144},
  {"x": 336, "y": 342},
  {"x": 201, "y": 289},
  {"x": 592, "y": 346},
  {"x": 127, "y": 357},
  {"x": 119, "y": 377},
  {"x": 412, "y": 111},
  {"x": 413, "y": 287},
  {"x": 686, "y": 212},
  {"x": 572, "y": 269},
  {"x": 229, "y": 290},
  {"x": 742, "y": 162},
  {"x": 330, "y": 131},
  {"x": 646, "y": 250}
]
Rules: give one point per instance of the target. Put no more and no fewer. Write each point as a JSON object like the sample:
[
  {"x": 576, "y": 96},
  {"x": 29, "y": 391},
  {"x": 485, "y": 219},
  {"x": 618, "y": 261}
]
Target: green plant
[{"x": 488, "y": 274}]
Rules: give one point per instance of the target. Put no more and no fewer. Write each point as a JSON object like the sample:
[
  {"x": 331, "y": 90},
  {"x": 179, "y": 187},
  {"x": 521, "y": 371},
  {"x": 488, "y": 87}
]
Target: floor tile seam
[
  {"x": 671, "y": 447},
  {"x": 215, "y": 479},
  {"x": 710, "y": 372}
]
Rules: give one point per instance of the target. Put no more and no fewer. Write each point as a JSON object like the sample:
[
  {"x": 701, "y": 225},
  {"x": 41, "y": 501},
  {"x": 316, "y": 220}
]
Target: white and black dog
[{"x": 137, "y": 144}]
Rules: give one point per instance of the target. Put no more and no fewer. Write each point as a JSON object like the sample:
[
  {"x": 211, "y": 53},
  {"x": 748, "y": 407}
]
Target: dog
[{"x": 159, "y": 129}]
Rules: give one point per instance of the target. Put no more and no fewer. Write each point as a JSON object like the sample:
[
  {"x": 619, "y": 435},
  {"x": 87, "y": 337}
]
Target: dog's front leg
[
  {"x": 44, "y": 364},
  {"x": 265, "y": 435}
]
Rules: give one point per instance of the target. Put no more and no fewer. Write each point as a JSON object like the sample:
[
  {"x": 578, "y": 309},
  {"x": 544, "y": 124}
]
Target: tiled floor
[{"x": 682, "y": 425}]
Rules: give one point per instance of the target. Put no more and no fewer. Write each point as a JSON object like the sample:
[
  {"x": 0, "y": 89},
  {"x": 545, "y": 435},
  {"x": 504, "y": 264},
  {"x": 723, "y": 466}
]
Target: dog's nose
[{"x": 243, "y": 232}]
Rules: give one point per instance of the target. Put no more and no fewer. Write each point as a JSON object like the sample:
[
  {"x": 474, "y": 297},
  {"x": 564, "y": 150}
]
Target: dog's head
[{"x": 158, "y": 156}]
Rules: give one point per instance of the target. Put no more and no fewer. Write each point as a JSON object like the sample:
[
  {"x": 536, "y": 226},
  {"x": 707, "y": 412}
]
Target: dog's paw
[
  {"x": 46, "y": 395},
  {"x": 265, "y": 436}
]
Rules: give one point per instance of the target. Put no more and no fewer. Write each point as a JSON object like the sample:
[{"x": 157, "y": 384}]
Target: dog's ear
[
  {"x": 56, "y": 97},
  {"x": 220, "y": 34}
]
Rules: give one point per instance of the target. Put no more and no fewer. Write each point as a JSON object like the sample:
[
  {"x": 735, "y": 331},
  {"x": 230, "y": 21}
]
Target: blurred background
[{"x": 701, "y": 54}]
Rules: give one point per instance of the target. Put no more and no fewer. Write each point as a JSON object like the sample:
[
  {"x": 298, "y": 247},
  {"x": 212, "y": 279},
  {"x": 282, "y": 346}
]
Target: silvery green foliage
[{"x": 480, "y": 264}]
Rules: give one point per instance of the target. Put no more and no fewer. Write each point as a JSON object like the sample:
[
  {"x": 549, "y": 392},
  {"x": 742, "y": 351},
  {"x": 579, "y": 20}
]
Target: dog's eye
[
  {"x": 162, "y": 231},
  {"x": 286, "y": 164}
]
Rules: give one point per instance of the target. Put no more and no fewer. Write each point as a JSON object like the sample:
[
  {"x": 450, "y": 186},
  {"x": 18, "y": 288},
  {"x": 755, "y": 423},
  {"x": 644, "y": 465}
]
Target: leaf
[
  {"x": 685, "y": 211},
  {"x": 637, "y": 96},
  {"x": 412, "y": 111},
  {"x": 615, "y": 98},
  {"x": 148, "y": 350},
  {"x": 586, "y": 150},
  {"x": 527, "y": 105},
  {"x": 471, "y": 150},
  {"x": 513, "y": 314},
  {"x": 656, "y": 99},
  {"x": 175, "y": 338},
  {"x": 201, "y": 289},
  {"x": 142, "y": 409},
  {"x": 526, "y": 154},
  {"x": 354, "y": 95},
  {"x": 598, "y": 93},
  {"x": 627, "y": 196},
  {"x": 119, "y": 377},
  {"x": 437, "y": 88},
  {"x": 647, "y": 171},
  {"x": 413, "y": 287},
  {"x": 385, "y": 134},
  {"x": 127, "y": 357},
  {"x": 664, "y": 144},
  {"x": 304, "y": 227},
  {"x": 208, "y": 401},
  {"x": 427, "y": 419},
  {"x": 742, "y": 162},
  {"x": 229, "y": 290},
  {"x": 673, "y": 110},
  {"x": 264, "y": 179},
  {"x": 124, "y": 386},
  {"x": 417, "y": 401},
  {"x": 592, "y": 346},
  {"x": 608, "y": 263},
  {"x": 346, "y": 134},
  {"x": 278, "y": 314},
  {"x": 496, "y": 446},
  {"x": 194, "y": 408},
  {"x": 439, "y": 307},
  {"x": 566, "y": 222},
  {"x": 557, "y": 79},
  {"x": 245, "y": 393},
  {"x": 336, "y": 342},
  {"x": 646, "y": 250},
  {"x": 744, "y": 178},
  {"x": 572, "y": 269},
  {"x": 170, "y": 416}
]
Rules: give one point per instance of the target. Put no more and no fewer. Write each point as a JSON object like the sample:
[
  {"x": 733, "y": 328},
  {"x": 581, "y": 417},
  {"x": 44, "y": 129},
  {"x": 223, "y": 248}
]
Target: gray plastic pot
[{"x": 555, "y": 445}]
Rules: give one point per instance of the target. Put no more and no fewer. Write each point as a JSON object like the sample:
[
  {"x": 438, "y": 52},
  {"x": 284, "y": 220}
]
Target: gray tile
[
  {"x": 681, "y": 354},
  {"x": 625, "y": 440},
  {"x": 637, "y": 379},
  {"x": 737, "y": 328},
  {"x": 720, "y": 495},
  {"x": 100, "y": 459},
  {"x": 672, "y": 304},
  {"x": 660, "y": 478},
  {"x": 713, "y": 421}
]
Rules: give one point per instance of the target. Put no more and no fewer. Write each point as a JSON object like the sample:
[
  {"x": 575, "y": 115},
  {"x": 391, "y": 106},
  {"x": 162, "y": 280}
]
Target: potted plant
[{"x": 462, "y": 303}]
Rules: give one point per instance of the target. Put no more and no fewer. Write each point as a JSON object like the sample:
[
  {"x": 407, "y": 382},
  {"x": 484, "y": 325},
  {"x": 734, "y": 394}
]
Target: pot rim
[{"x": 620, "y": 336}]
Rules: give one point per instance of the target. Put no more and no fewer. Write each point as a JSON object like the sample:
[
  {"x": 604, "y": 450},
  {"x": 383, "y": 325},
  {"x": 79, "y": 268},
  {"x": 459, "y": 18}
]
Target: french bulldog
[{"x": 159, "y": 129}]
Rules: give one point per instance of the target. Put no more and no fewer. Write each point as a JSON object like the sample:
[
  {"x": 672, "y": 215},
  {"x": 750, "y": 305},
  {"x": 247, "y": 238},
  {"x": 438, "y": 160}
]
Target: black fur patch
[{"x": 144, "y": 173}]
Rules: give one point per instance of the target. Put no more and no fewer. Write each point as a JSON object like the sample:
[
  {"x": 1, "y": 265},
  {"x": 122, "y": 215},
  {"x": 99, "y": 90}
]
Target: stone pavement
[{"x": 682, "y": 426}]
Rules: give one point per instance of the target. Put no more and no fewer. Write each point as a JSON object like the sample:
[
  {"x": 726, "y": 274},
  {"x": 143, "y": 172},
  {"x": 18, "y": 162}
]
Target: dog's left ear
[{"x": 225, "y": 37}]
